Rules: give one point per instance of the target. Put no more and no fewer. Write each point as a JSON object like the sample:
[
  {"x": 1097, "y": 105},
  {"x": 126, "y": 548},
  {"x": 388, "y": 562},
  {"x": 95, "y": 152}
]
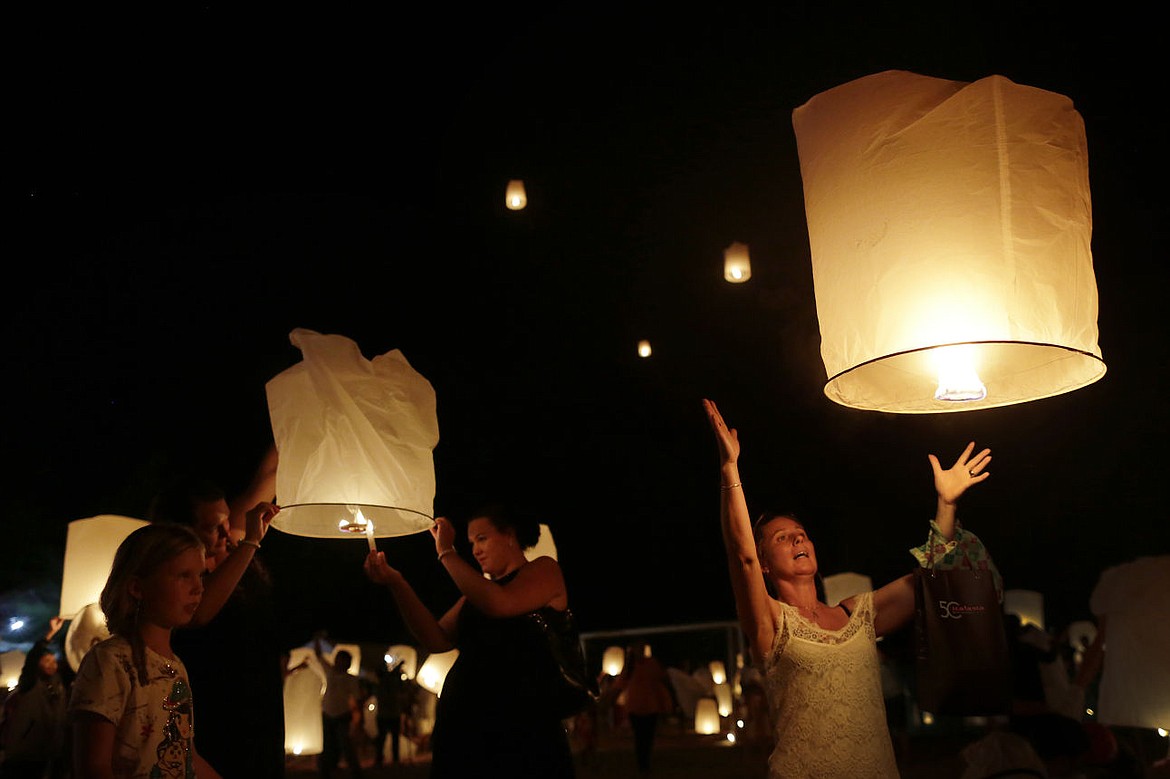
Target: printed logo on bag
[{"x": 952, "y": 609}]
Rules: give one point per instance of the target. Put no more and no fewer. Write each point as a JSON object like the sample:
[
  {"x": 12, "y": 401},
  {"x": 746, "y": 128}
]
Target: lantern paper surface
[
  {"x": 840, "y": 586},
  {"x": 408, "y": 655},
  {"x": 434, "y": 671},
  {"x": 11, "y": 662},
  {"x": 614, "y": 660},
  {"x": 1028, "y": 605},
  {"x": 515, "y": 198},
  {"x": 706, "y": 716},
  {"x": 737, "y": 264},
  {"x": 355, "y": 439},
  {"x": 302, "y": 713},
  {"x": 723, "y": 698},
  {"x": 944, "y": 213},
  {"x": 90, "y": 545},
  {"x": 87, "y": 628}
]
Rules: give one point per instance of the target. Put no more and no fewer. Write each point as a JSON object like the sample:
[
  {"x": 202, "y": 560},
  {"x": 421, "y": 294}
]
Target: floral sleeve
[{"x": 965, "y": 550}]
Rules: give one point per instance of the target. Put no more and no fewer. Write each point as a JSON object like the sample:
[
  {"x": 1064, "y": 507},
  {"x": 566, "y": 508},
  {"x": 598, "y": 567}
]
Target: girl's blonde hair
[{"x": 138, "y": 556}]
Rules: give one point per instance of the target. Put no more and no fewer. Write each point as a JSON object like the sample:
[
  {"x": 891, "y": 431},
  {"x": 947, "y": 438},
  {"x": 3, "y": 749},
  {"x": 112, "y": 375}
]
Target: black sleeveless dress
[{"x": 496, "y": 716}]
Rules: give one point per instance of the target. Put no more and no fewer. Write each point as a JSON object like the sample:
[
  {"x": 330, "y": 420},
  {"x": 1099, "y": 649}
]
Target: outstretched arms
[
  {"x": 757, "y": 610},
  {"x": 436, "y": 635}
]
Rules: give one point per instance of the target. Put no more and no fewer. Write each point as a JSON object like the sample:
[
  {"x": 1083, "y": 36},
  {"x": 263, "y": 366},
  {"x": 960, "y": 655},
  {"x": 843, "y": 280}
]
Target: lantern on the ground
[
  {"x": 434, "y": 670},
  {"x": 515, "y": 198},
  {"x": 737, "y": 264},
  {"x": 87, "y": 629},
  {"x": 706, "y": 716},
  {"x": 723, "y": 698},
  {"x": 949, "y": 226},
  {"x": 614, "y": 660},
  {"x": 355, "y": 439},
  {"x": 1028, "y": 605},
  {"x": 90, "y": 545}
]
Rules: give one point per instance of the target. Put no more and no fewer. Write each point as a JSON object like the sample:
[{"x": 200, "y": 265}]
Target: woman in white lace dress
[{"x": 821, "y": 664}]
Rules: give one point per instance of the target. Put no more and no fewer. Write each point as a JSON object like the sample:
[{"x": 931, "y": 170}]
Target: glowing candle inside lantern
[
  {"x": 516, "y": 198},
  {"x": 957, "y": 377},
  {"x": 737, "y": 264},
  {"x": 643, "y": 348}
]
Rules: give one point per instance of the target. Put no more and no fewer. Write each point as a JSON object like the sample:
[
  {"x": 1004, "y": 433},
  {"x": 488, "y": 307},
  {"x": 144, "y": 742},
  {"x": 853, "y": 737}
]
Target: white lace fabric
[{"x": 824, "y": 691}]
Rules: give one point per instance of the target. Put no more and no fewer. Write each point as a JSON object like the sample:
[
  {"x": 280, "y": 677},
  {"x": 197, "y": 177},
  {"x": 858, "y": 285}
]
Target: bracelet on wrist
[
  {"x": 248, "y": 542},
  {"x": 445, "y": 552},
  {"x": 730, "y": 486}
]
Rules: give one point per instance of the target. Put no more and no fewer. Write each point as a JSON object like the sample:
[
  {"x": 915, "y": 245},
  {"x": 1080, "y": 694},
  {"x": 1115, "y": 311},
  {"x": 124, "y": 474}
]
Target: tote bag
[{"x": 962, "y": 666}]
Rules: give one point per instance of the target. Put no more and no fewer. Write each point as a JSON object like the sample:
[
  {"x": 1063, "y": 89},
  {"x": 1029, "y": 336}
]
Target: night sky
[{"x": 187, "y": 188}]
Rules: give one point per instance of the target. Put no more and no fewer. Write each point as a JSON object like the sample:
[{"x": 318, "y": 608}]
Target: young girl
[{"x": 131, "y": 702}]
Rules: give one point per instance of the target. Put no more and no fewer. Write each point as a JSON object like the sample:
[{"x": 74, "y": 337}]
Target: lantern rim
[
  {"x": 404, "y": 521},
  {"x": 1086, "y": 377}
]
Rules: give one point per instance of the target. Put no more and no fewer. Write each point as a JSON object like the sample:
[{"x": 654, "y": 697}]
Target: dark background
[{"x": 187, "y": 186}]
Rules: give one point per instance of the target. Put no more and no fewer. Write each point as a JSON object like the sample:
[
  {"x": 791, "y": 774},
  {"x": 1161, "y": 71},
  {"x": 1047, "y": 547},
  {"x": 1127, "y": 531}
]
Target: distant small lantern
[
  {"x": 355, "y": 439},
  {"x": 614, "y": 660},
  {"x": 303, "y": 689},
  {"x": 515, "y": 198},
  {"x": 1028, "y": 605},
  {"x": 90, "y": 545},
  {"x": 11, "y": 663},
  {"x": 706, "y": 716},
  {"x": 644, "y": 349},
  {"x": 949, "y": 225},
  {"x": 434, "y": 670},
  {"x": 718, "y": 671},
  {"x": 723, "y": 698},
  {"x": 737, "y": 264}
]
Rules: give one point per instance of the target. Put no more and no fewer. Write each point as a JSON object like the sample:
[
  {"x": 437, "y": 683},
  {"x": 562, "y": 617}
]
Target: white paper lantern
[
  {"x": 613, "y": 660},
  {"x": 11, "y": 663},
  {"x": 434, "y": 670},
  {"x": 355, "y": 654},
  {"x": 1028, "y": 605},
  {"x": 407, "y": 654},
  {"x": 90, "y": 545},
  {"x": 949, "y": 225},
  {"x": 706, "y": 716},
  {"x": 718, "y": 671},
  {"x": 545, "y": 546},
  {"x": 302, "y": 712},
  {"x": 723, "y": 698},
  {"x": 355, "y": 439},
  {"x": 86, "y": 629},
  {"x": 737, "y": 264},
  {"x": 840, "y": 586},
  {"x": 644, "y": 348},
  {"x": 515, "y": 198}
]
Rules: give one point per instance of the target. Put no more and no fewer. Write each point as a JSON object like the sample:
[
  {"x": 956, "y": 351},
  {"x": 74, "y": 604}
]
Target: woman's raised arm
[
  {"x": 435, "y": 635},
  {"x": 756, "y": 609}
]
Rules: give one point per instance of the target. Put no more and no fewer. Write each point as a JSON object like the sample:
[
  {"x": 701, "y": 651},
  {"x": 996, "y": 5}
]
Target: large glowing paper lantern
[
  {"x": 1028, "y": 605},
  {"x": 613, "y": 660},
  {"x": 434, "y": 670},
  {"x": 949, "y": 225},
  {"x": 515, "y": 198},
  {"x": 706, "y": 716},
  {"x": 302, "y": 712},
  {"x": 355, "y": 439},
  {"x": 737, "y": 264},
  {"x": 90, "y": 545}
]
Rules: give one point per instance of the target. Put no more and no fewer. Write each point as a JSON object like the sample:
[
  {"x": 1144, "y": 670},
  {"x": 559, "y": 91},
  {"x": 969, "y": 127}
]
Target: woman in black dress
[{"x": 497, "y": 715}]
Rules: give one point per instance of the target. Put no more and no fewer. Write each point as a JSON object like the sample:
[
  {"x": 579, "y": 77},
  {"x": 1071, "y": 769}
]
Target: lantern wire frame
[{"x": 321, "y": 520}]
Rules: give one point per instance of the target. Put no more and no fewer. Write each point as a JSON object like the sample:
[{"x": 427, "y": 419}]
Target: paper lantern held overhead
[
  {"x": 949, "y": 225},
  {"x": 355, "y": 439}
]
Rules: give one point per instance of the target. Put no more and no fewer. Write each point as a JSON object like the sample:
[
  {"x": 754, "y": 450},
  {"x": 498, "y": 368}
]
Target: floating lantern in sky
[
  {"x": 614, "y": 660},
  {"x": 545, "y": 546},
  {"x": 706, "y": 716},
  {"x": 515, "y": 198},
  {"x": 434, "y": 670},
  {"x": 949, "y": 225},
  {"x": 644, "y": 349},
  {"x": 90, "y": 545},
  {"x": 737, "y": 264},
  {"x": 11, "y": 662},
  {"x": 356, "y": 440}
]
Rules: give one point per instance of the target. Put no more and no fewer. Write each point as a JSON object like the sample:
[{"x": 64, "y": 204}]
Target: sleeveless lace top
[{"x": 824, "y": 691}]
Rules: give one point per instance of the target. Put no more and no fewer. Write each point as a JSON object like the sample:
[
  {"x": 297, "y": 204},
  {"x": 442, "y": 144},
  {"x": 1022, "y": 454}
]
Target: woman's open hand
[
  {"x": 952, "y": 482},
  {"x": 725, "y": 438}
]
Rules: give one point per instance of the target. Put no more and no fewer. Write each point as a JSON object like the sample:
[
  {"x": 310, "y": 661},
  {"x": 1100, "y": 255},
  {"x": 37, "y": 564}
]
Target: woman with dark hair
[
  {"x": 497, "y": 715},
  {"x": 34, "y": 728},
  {"x": 820, "y": 662}
]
